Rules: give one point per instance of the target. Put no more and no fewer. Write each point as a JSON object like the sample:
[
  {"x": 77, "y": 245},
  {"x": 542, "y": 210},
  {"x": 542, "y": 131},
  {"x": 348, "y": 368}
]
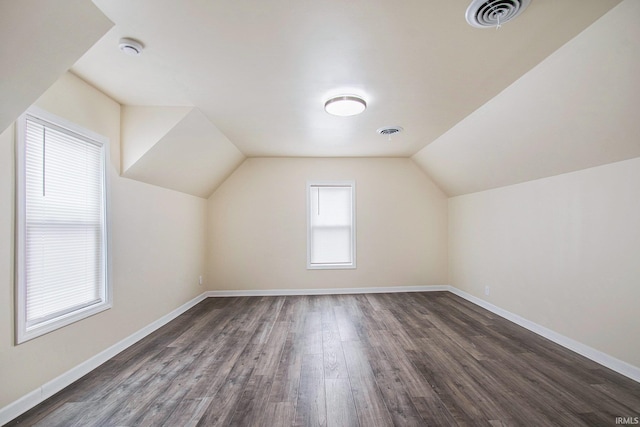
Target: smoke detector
[
  {"x": 389, "y": 131},
  {"x": 494, "y": 13},
  {"x": 130, "y": 47}
]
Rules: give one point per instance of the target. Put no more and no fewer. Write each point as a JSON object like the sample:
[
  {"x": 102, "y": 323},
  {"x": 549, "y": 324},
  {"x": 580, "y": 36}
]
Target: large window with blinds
[
  {"x": 62, "y": 272},
  {"x": 331, "y": 225}
]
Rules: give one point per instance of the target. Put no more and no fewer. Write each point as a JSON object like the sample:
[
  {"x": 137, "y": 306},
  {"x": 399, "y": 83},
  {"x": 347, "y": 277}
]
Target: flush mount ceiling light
[
  {"x": 345, "y": 105},
  {"x": 494, "y": 13},
  {"x": 130, "y": 47}
]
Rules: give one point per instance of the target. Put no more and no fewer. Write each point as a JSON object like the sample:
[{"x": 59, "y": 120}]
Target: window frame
[
  {"x": 332, "y": 266},
  {"x": 24, "y": 333}
]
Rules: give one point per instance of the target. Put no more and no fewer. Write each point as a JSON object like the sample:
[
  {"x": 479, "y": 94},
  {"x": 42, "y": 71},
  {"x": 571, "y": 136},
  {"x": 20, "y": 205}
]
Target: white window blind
[
  {"x": 331, "y": 225},
  {"x": 62, "y": 236}
]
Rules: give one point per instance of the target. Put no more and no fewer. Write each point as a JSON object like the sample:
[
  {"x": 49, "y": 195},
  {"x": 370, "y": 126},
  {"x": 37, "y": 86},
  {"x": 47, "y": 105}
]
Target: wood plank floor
[{"x": 342, "y": 360}]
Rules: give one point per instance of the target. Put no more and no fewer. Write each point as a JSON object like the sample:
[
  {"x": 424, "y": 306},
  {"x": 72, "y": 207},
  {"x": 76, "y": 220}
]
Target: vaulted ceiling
[
  {"x": 39, "y": 41},
  {"x": 550, "y": 92},
  {"x": 577, "y": 109}
]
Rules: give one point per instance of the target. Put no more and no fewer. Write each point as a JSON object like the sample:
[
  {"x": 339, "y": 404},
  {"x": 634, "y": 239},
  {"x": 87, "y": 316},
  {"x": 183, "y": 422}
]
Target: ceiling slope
[
  {"x": 577, "y": 109},
  {"x": 187, "y": 152},
  {"x": 141, "y": 128},
  {"x": 41, "y": 39},
  {"x": 261, "y": 71}
]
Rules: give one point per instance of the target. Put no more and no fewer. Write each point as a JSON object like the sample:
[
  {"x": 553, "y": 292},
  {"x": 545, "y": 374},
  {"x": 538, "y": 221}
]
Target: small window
[
  {"x": 331, "y": 224},
  {"x": 61, "y": 240}
]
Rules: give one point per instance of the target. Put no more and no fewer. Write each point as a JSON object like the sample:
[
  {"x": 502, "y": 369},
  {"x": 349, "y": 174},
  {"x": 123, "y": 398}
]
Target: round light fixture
[
  {"x": 345, "y": 105},
  {"x": 130, "y": 47}
]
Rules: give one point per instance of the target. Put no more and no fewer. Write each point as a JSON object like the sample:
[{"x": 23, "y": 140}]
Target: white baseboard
[
  {"x": 621, "y": 367},
  {"x": 327, "y": 291},
  {"x": 47, "y": 390}
]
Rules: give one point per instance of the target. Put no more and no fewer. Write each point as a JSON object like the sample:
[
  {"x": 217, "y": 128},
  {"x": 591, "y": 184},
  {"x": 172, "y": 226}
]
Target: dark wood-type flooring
[{"x": 342, "y": 360}]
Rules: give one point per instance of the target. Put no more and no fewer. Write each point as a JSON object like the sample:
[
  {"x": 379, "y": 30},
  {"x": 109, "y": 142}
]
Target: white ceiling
[
  {"x": 261, "y": 71},
  {"x": 577, "y": 109},
  {"x": 223, "y": 80},
  {"x": 192, "y": 156},
  {"x": 39, "y": 40}
]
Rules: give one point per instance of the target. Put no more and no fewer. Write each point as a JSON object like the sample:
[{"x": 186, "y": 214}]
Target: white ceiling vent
[
  {"x": 494, "y": 13},
  {"x": 389, "y": 130}
]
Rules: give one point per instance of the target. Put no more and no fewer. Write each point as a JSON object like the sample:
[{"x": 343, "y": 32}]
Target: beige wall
[
  {"x": 157, "y": 251},
  {"x": 562, "y": 252},
  {"x": 257, "y": 225}
]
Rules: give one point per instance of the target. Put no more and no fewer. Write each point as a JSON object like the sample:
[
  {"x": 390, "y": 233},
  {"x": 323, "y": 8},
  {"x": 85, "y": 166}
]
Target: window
[
  {"x": 331, "y": 224},
  {"x": 61, "y": 240}
]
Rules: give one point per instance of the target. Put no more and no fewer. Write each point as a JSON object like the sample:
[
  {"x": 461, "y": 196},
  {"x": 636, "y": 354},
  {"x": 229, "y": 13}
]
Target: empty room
[{"x": 330, "y": 213}]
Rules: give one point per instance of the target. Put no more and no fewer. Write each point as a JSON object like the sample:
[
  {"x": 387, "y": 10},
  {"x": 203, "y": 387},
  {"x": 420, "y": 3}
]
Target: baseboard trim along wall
[
  {"x": 47, "y": 390},
  {"x": 597, "y": 356},
  {"x": 327, "y": 291}
]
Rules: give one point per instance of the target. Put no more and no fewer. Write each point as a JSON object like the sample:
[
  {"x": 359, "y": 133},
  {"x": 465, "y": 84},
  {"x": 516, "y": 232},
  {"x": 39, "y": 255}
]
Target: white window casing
[
  {"x": 62, "y": 236},
  {"x": 331, "y": 225}
]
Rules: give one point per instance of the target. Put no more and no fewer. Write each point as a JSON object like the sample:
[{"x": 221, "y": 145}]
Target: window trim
[
  {"x": 22, "y": 332},
  {"x": 332, "y": 266}
]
